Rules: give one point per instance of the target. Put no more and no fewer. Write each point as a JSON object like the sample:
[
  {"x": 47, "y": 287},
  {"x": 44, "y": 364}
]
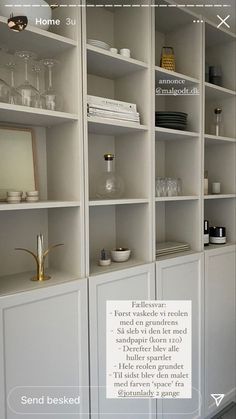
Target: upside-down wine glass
[
  {"x": 14, "y": 97},
  {"x": 27, "y": 91},
  {"x": 37, "y": 68},
  {"x": 51, "y": 99},
  {"x": 4, "y": 87}
]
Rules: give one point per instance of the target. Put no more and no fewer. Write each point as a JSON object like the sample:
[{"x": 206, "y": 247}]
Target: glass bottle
[
  {"x": 109, "y": 184},
  {"x": 205, "y": 182},
  {"x": 218, "y": 121}
]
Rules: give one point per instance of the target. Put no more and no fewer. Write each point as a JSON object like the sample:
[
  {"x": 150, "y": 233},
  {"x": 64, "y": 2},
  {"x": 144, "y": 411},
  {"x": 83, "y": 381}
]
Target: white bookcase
[
  {"x": 122, "y": 222},
  {"x": 59, "y": 214},
  {"x": 70, "y": 145},
  {"x": 220, "y": 151}
]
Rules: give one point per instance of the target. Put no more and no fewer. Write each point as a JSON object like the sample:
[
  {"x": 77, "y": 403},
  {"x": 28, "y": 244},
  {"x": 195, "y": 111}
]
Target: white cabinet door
[
  {"x": 220, "y": 326},
  {"x": 181, "y": 278},
  {"x": 44, "y": 348},
  {"x": 136, "y": 283}
]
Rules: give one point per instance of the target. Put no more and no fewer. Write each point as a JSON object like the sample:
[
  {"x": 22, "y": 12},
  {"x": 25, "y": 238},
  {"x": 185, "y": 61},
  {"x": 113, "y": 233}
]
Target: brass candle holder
[{"x": 40, "y": 258}]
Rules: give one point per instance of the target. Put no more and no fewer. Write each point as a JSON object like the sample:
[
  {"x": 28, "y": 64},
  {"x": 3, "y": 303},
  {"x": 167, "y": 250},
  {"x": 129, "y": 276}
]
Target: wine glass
[
  {"x": 39, "y": 103},
  {"x": 27, "y": 91},
  {"x": 4, "y": 86},
  {"x": 51, "y": 99},
  {"x": 4, "y": 90},
  {"x": 14, "y": 97}
]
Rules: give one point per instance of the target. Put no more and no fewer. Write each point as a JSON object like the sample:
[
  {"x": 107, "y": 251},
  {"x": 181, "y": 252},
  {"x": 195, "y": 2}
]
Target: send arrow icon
[{"x": 218, "y": 398}]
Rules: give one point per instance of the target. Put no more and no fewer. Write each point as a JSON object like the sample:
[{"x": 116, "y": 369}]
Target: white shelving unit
[
  {"x": 122, "y": 222},
  {"x": 59, "y": 214},
  {"x": 68, "y": 166},
  {"x": 220, "y": 151},
  {"x": 177, "y": 152},
  {"x": 70, "y": 146}
]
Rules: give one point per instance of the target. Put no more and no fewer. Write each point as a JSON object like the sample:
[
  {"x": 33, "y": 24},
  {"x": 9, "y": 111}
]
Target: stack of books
[
  {"x": 112, "y": 109},
  {"x": 168, "y": 248}
]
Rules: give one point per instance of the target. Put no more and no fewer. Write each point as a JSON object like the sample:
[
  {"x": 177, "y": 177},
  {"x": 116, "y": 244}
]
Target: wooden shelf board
[
  {"x": 214, "y": 139},
  {"x": 106, "y": 64},
  {"x": 33, "y": 116},
  {"x": 18, "y": 283},
  {"x": 214, "y": 92},
  {"x": 174, "y": 134},
  {"x": 112, "y": 127},
  {"x": 177, "y": 198},
  {"x": 95, "y": 269},
  {"x": 4, "y": 206},
  {"x": 220, "y": 196},
  {"x": 101, "y": 202},
  {"x": 162, "y": 73},
  {"x": 44, "y": 43}
]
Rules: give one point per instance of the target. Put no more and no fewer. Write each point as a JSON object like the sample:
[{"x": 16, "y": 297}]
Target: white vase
[{"x": 32, "y": 13}]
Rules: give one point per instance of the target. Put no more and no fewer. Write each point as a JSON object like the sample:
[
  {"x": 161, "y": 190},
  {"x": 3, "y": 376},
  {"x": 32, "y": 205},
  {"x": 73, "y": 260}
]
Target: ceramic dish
[{"x": 120, "y": 254}]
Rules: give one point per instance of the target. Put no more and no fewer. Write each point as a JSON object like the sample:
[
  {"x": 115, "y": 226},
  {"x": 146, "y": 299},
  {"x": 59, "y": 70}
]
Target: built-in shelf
[
  {"x": 107, "y": 64},
  {"x": 4, "y": 206},
  {"x": 220, "y": 196},
  {"x": 44, "y": 43},
  {"x": 214, "y": 92},
  {"x": 214, "y": 139},
  {"x": 101, "y": 202},
  {"x": 177, "y": 198},
  {"x": 173, "y": 134},
  {"x": 173, "y": 77},
  {"x": 18, "y": 283},
  {"x": 95, "y": 269},
  {"x": 112, "y": 127},
  {"x": 217, "y": 246},
  {"x": 216, "y": 35},
  {"x": 17, "y": 114}
]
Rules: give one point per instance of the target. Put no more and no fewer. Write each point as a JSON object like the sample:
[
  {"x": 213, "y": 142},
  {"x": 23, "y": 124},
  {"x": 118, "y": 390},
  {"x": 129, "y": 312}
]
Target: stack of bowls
[
  {"x": 32, "y": 196},
  {"x": 14, "y": 197}
]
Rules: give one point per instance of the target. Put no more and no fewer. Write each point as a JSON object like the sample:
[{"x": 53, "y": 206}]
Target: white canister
[
  {"x": 125, "y": 52},
  {"x": 114, "y": 50},
  {"x": 216, "y": 187},
  {"x": 34, "y": 14}
]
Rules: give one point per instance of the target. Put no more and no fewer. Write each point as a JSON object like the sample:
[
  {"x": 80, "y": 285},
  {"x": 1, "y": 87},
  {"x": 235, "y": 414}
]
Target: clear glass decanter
[{"x": 109, "y": 185}]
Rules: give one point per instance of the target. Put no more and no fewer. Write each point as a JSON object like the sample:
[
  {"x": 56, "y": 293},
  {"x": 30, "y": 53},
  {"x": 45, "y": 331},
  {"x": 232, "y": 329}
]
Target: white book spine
[
  {"x": 116, "y": 115},
  {"x": 105, "y": 103}
]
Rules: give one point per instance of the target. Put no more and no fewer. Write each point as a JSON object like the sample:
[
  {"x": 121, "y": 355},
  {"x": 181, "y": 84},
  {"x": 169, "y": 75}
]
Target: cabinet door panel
[
  {"x": 135, "y": 283},
  {"x": 45, "y": 344},
  {"x": 220, "y": 326},
  {"x": 182, "y": 279}
]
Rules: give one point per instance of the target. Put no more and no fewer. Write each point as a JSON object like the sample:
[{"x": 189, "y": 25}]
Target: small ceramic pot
[{"x": 120, "y": 254}]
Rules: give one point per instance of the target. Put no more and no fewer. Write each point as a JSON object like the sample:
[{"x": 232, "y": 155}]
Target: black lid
[{"x": 217, "y": 231}]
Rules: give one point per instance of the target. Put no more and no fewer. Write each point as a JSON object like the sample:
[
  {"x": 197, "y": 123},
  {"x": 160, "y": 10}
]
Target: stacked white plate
[
  {"x": 167, "y": 248},
  {"x": 99, "y": 44}
]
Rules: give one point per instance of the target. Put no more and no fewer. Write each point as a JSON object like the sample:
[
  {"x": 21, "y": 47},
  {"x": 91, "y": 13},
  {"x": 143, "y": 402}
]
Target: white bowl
[
  {"x": 120, "y": 254},
  {"x": 104, "y": 262},
  {"x": 32, "y": 193},
  {"x": 13, "y": 200},
  {"x": 16, "y": 194}
]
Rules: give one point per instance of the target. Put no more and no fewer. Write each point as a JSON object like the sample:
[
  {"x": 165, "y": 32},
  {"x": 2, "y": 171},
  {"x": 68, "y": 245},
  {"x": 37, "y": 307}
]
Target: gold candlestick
[{"x": 40, "y": 258}]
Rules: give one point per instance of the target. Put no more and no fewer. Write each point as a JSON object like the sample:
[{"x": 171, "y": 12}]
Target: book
[
  {"x": 110, "y": 104},
  {"x": 114, "y": 115}
]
